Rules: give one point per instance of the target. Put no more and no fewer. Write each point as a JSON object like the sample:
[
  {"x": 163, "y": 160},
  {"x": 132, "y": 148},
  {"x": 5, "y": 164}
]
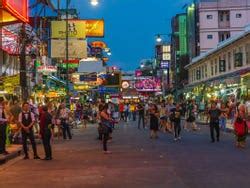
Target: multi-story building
[
  {"x": 223, "y": 71},
  {"x": 219, "y": 20},
  {"x": 179, "y": 51}
]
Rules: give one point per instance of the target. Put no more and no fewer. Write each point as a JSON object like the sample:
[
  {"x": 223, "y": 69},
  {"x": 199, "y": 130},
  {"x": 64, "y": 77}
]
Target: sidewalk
[{"x": 14, "y": 151}]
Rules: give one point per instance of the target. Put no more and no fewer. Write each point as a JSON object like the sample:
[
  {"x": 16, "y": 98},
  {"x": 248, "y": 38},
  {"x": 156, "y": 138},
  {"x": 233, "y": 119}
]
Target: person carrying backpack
[{"x": 240, "y": 127}]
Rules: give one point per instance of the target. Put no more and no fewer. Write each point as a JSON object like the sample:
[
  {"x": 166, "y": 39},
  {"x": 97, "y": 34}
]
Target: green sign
[{"x": 70, "y": 65}]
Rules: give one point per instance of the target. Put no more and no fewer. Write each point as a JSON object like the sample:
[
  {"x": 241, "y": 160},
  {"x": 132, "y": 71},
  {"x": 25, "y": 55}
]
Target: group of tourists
[
  {"x": 34, "y": 122},
  {"x": 165, "y": 116},
  {"x": 173, "y": 117}
]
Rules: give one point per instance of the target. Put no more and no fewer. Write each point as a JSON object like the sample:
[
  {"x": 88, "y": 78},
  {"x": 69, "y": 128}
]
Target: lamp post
[
  {"x": 160, "y": 44},
  {"x": 93, "y": 3}
]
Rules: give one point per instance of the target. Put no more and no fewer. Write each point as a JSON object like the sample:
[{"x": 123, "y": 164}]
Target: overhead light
[
  {"x": 158, "y": 39},
  {"x": 94, "y": 2}
]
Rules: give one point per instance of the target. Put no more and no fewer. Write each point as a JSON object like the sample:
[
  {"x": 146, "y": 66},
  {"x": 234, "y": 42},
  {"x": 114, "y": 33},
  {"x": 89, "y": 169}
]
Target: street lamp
[
  {"x": 158, "y": 38},
  {"x": 94, "y": 2}
]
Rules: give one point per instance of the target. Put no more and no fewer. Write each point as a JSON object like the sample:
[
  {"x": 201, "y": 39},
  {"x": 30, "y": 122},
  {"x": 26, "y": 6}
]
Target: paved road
[{"x": 136, "y": 162}]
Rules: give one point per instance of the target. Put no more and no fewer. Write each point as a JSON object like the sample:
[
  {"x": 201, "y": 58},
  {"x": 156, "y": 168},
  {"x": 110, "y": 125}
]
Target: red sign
[{"x": 17, "y": 9}]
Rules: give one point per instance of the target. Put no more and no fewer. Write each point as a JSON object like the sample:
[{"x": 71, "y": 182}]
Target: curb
[{"x": 12, "y": 155}]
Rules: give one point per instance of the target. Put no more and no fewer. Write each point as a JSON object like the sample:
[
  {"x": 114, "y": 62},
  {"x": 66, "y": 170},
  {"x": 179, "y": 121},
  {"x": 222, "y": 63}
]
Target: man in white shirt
[{"x": 26, "y": 120}]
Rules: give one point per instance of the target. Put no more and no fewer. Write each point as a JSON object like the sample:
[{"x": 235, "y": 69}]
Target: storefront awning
[{"x": 13, "y": 11}]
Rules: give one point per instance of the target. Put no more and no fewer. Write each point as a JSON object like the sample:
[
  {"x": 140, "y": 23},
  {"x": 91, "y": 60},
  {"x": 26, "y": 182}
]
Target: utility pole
[
  {"x": 67, "y": 51},
  {"x": 22, "y": 57}
]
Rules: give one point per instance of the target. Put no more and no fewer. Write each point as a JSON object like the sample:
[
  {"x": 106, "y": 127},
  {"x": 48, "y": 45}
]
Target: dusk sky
[{"x": 131, "y": 26}]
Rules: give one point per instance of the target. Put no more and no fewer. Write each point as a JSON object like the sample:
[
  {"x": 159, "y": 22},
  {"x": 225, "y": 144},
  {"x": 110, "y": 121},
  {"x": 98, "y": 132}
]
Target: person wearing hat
[{"x": 3, "y": 127}]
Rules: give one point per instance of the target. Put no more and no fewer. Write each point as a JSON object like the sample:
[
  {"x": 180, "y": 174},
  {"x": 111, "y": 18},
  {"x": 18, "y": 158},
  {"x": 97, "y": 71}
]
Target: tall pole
[
  {"x": 67, "y": 50},
  {"x": 23, "y": 75}
]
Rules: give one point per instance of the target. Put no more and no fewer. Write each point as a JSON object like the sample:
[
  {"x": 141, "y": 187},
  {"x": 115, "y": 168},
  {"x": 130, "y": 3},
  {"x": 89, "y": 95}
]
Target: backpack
[{"x": 240, "y": 128}]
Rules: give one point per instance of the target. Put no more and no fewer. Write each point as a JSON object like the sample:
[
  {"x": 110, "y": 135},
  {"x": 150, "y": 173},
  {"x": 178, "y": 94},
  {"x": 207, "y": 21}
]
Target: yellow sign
[
  {"x": 10, "y": 83},
  {"x": 76, "y": 29},
  {"x": 95, "y": 28},
  {"x": 81, "y": 87}
]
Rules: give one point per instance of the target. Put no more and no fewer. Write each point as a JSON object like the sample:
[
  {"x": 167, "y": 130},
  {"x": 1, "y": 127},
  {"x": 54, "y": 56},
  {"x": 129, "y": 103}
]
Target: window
[
  {"x": 209, "y": 36},
  {"x": 247, "y": 53},
  {"x": 221, "y": 17},
  {"x": 238, "y": 15},
  {"x": 234, "y": 56},
  {"x": 215, "y": 67},
  {"x": 209, "y": 17},
  {"x": 228, "y": 17},
  {"x": 205, "y": 70},
  {"x": 212, "y": 68},
  {"x": 202, "y": 72},
  {"x": 229, "y": 57}
]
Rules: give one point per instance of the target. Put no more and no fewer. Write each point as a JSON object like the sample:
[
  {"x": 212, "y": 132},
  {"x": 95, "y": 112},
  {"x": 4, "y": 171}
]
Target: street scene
[{"x": 124, "y": 94}]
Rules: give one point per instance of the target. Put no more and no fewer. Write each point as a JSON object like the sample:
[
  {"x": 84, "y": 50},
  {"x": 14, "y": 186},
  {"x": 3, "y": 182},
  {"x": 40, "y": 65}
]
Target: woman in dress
[
  {"x": 154, "y": 121},
  {"x": 240, "y": 127},
  {"x": 105, "y": 126}
]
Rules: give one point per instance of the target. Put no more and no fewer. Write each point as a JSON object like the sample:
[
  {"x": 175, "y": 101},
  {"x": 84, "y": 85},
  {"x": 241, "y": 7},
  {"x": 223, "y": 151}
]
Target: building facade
[
  {"x": 223, "y": 71},
  {"x": 179, "y": 50},
  {"x": 220, "y": 20}
]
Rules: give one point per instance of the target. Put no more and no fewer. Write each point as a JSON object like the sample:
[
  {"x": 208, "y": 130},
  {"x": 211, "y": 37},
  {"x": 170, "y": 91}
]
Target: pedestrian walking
[
  {"x": 64, "y": 117},
  {"x": 3, "y": 127},
  {"x": 176, "y": 114},
  {"x": 240, "y": 127},
  {"x": 46, "y": 132},
  {"x": 154, "y": 121},
  {"x": 141, "y": 112},
  {"x": 214, "y": 116},
  {"x": 27, "y": 120},
  {"x": 223, "y": 117},
  {"x": 106, "y": 125}
]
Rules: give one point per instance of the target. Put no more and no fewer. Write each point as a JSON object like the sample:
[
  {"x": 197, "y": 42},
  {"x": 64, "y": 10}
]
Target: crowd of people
[
  {"x": 173, "y": 117},
  {"x": 30, "y": 120}
]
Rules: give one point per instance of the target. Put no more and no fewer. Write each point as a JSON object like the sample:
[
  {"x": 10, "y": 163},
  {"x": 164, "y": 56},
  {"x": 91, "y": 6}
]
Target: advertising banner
[
  {"x": 47, "y": 69},
  {"x": 76, "y": 29},
  {"x": 148, "y": 84},
  {"x": 10, "y": 83},
  {"x": 77, "y": 48},
  {"x": 94, "y": 28},
  {"x": 14, "y": 10}
]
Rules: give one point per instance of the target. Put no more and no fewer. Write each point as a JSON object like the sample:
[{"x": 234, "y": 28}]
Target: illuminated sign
[
  {"x": 76, "y": 29},
  {"x": 95, "y": 28},
  {"x": 98, "y": 44},
  {"x": 77, "y": 48},
  {"x": 125, "y": 85},
  {"x": 47, "y": 69},
  {"x": 148, "y": 84},
  {"x": 13, "y": 10}
]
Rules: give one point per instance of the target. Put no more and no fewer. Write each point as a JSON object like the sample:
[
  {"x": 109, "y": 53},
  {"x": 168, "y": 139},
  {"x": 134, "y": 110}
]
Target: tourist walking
[
  {"x": 214, "y": 117},
  {"x": 106, "y": 125},
  {"x": 240, "y": 127},
  {"x": 46, "y": 132},
  {"x": 154, "y": 121},
  {"x": 3, "y": 127},
  {"x": 141, "y": 112},
  {"x": 177, "y": 122},
  {"x": 64, "y": 117},
  {"x": 26, "y": 121}
]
